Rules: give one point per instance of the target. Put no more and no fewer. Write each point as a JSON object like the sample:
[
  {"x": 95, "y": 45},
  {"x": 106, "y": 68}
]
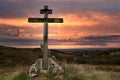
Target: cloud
[
  {"x": 93, "y": 41},
  {"x": 80, "y": 24},
  {"x": 17, "y": 9},
  {"x": 81, "y": 18},
  {"x": 9, "y": 30},
  {"x": 19, "y": 42},
  {"x": 100, "y": 40},
  {"x": 87, "y": 23},
  {"x": 27, "y": 8}
]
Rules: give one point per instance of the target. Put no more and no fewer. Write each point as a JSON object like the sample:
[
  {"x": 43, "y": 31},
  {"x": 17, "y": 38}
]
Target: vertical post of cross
[
  {"x": 45, "y": 39},
  {"x": 45, "y": 11}
]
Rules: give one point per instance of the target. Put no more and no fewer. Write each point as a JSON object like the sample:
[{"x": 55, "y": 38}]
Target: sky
[{"x": 87, "y": 23}]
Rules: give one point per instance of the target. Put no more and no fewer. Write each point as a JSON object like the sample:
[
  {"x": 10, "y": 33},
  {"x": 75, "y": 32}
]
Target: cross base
[{"x": 53, "y": 68}]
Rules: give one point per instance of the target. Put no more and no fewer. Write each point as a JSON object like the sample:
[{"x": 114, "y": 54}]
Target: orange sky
[
  {"x": 74, "y": 24},
  {"x": 81, "y": 19}
]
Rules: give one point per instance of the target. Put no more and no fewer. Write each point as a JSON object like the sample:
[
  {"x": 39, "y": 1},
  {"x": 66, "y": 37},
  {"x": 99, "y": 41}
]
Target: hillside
[
  {"x": 15, "y": 63},
  {"x": 10, "y": 56},
  {"x": 15, "y": 56},
  {"x": 26, "y": 56}
]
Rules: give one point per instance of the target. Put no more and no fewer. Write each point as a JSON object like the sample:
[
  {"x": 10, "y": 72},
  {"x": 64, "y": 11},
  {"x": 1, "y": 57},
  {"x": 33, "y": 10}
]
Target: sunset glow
[{"x": 82, "y": 19}]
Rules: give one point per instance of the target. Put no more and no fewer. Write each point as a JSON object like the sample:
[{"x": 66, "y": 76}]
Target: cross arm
[
  {"x": 34, "y": 20},
  {"x": 49, "y": 20}
]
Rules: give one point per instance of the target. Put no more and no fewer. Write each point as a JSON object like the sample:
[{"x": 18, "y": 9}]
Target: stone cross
[{"x": 45, "y": 20}]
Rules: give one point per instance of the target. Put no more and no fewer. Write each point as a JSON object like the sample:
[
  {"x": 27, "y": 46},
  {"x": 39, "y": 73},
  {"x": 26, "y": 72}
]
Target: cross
[{"x": 45, "y": 20}]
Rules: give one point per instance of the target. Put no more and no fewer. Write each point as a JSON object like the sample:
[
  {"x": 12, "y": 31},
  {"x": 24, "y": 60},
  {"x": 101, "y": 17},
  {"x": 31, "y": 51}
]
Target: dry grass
[
  {"x": 13, "y": 57},
  {"x": 73, "y": 72},
  {"x": 12, "y": 72},
  {"x": 89, "y": 72}
]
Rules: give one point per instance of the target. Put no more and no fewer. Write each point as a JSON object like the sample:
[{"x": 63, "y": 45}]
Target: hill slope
[
  {"x": 18, "y": 56},
  {"x": 26, "y": 56}
]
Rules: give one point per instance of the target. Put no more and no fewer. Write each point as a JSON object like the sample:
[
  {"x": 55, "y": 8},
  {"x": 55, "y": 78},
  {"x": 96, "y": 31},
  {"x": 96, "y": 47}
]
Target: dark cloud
[
  {"x": 99, "y": 40},
  {"x": 89, "y": 30},
  {"x": 19, "y": 42},
  {"x": 8, "y": 30},
  {"x": 11, "y": 9},
  {"x": 19, "y": 31},
  {"x": 25, "y": 8},
  {"x": 16, "y": 36},
  {"x": 92, "y": 40}
]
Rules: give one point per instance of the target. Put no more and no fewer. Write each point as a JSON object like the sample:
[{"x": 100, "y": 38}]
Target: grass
[
  {"x": 10, "y": 76},
  {"x": 11, "y": 56},
  {"x": 91, "y": 78},
  {"x": 90, "y": 72},
  {"x": 14, "y": 57},
  {"x": 73, "y": 72},
  {"x": 14, "y": 73},
  {"x": 66, "y": 77},
  {"x": 22, "y": 76}
]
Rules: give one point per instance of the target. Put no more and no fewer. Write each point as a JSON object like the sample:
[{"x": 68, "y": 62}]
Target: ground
[
  {"x": 73, "y": 72},
  {"x": 81, "y": 64}
]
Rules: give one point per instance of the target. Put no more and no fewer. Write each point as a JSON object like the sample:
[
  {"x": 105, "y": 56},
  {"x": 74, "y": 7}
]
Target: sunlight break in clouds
[
  {"x": 81, "y": 24},
  {"x": 81, "y": 18}
]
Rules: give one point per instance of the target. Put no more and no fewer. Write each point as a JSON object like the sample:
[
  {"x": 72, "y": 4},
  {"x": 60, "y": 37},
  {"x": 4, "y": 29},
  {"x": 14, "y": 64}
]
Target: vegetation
[
  {"x": 18, "y": 56},
  {"x": 22, "y": 76},
  {"x": 89, "y": 72},
  {"x": 73, "y": 72},
  {"x": 26, "y": 56},
  {"x": 77, "y": 68}
]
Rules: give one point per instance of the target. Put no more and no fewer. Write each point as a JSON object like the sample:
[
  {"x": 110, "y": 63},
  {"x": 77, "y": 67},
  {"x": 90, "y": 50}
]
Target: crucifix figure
[{"x": 45, "y": 20}]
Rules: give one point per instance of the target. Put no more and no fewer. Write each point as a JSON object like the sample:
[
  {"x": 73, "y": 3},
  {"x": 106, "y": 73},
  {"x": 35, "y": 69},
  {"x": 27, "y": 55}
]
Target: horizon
[{"x": 62, "y": 47}]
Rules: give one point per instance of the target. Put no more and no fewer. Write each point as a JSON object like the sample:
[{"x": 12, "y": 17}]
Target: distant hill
[
  {"x": 18, "y": 56},
  {"x": 10, "y": 56}
]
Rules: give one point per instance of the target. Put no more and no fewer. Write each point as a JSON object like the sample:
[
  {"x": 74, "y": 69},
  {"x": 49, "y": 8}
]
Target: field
[
  {"x": 103, "y": 64},
  {"x": 91, "y": 72},
  {"x": 73, "y": 72}
]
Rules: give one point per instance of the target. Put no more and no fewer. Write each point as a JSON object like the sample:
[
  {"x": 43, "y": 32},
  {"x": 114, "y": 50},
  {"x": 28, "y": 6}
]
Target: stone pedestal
[{"x": 44, "y": 71}]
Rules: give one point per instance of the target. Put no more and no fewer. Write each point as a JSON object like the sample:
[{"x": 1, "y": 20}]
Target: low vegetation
[
  {"x": 82, "y": 65},
  {"x": 18, "y": 56},
  {"x": 73, "y": 72},
  {"x": 90, "y": 72},
  {"x": 25, "y": 56}
]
